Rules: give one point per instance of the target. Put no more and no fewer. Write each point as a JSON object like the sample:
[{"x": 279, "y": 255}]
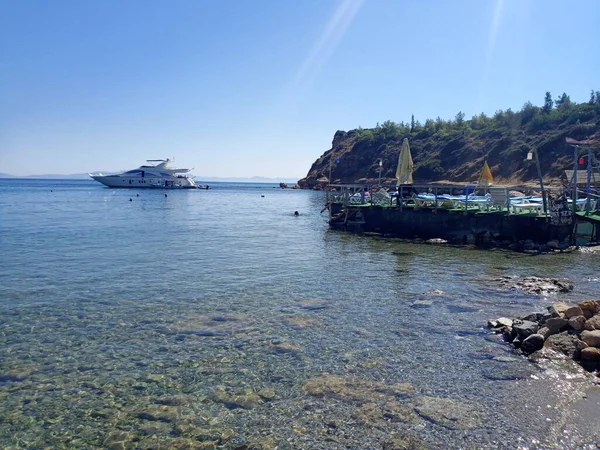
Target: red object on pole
[{"x": 581, "y": 161}]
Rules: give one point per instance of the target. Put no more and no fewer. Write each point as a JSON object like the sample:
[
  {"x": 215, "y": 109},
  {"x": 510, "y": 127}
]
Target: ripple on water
[{"x": 273, "y": 334}]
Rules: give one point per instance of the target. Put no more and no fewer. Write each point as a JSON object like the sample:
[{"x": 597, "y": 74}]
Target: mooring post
[{"x": 399, "y": 198}]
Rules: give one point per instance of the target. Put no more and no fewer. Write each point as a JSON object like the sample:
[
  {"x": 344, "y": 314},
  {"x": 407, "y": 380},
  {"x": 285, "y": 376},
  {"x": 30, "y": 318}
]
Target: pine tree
[
  {"x": 460, "y": 118},
  {"x": 593, "y": 98},
  {"x": 564, "y": 102},
  {"x": 548, "y": 103},
  {"x": 412, "y": 123}
]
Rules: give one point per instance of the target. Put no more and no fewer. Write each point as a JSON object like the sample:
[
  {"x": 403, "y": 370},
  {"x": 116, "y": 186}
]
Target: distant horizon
[{"x": 84, "y": 176}]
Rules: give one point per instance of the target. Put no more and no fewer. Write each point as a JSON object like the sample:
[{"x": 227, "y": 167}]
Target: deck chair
[{"x": 499, "y": 198}]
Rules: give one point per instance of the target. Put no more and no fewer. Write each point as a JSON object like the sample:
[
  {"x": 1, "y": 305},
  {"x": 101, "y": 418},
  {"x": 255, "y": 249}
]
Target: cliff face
[{"x": 455, "y": 151}]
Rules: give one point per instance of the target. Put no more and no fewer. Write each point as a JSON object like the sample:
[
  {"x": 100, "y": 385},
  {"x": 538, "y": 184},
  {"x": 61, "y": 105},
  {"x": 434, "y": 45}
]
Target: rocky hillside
[{"x": 455, "y": 150}]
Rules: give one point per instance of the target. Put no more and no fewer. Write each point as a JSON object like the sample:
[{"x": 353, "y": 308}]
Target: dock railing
[{"x": 454, "y": 197}]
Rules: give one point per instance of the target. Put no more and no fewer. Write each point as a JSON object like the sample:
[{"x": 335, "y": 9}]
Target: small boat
[{"x": 156, "y": 174}]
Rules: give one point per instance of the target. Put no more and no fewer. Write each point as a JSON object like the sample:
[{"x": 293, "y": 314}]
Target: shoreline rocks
[
  {"x": 564, "y": 331},
  {"x": 537, "y": 285}
]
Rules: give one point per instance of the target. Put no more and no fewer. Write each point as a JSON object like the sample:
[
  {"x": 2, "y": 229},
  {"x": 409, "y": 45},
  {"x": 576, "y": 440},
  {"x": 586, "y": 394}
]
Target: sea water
[{"x": 218, "y": 319}]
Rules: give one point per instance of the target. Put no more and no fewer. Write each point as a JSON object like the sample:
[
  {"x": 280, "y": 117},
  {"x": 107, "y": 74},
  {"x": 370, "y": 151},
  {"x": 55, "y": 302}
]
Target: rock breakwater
[{"x": 571, "y": 331}]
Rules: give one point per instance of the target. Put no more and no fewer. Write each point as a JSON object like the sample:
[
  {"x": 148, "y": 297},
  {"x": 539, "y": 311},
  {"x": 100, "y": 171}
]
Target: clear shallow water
[{"x": 211, "y": 316}]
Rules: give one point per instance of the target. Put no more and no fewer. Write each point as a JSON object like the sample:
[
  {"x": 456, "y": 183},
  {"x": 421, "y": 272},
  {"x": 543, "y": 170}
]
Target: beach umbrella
[
  {"x": 485, "y": 177},
  {"x": 405, "y": 165}
]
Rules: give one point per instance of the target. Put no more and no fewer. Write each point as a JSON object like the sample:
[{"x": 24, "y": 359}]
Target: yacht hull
[{"x": 118, "y": 181}]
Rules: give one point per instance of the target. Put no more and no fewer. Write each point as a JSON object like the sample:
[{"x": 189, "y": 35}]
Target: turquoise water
[{"x": 207, "y": 319}]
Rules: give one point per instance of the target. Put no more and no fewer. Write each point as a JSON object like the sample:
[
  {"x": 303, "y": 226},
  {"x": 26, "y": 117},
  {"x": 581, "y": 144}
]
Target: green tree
[
  {"x": 548, "y": 103},
  {"x": 528, "y": 112},
  {"x": 430, "y": 126},
  {"x": 563, "y": 103},
  {"x": 592, "y": 98},
  {"x": 412, "y": 123},
  {"x": 389, "y": 128},
  {"x": 439, "y": 123},
  {"x": 460, "y": 118}
]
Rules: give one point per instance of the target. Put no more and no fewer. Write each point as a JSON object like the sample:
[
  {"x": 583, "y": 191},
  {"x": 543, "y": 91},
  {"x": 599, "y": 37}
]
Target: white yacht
[{"x": 156, "y": 174}]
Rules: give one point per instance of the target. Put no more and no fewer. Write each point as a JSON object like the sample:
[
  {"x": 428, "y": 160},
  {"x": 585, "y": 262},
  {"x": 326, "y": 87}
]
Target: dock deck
[{"x": 482, "y": 214}]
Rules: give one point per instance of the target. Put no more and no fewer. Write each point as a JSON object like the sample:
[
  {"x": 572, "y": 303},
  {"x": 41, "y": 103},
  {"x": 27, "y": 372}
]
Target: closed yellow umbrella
[
  {"x": 486, "y": 178},
  {"x": 405, "y": 165}
]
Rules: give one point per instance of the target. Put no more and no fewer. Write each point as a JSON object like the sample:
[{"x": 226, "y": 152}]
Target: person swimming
[{"x": 296, "y": 213}]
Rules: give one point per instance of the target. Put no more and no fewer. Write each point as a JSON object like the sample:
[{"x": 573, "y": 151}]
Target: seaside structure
[
  {"x": 586, "y": 184},
  {"x": 468, "y": 214}
]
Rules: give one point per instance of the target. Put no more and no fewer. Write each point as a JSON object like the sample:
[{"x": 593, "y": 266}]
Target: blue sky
[{"x": 258, "y": 88}]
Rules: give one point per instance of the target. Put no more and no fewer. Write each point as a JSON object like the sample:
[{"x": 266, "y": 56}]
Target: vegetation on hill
[{"x": 455, "y": 150}]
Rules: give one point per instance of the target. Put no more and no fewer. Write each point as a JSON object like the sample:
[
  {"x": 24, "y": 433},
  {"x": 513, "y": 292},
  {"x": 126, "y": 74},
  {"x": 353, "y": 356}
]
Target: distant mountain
[
  {"x": 73, "y": 176},
  {"x": 85, "y": 176},
  {"x": 248, "y": 180}
]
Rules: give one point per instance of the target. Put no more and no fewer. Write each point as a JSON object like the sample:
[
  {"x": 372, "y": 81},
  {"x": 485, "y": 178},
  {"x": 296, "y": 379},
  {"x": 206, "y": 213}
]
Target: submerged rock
[
  {"x": 393, "y": 411},
  {"x": 300, "y": 322},
  {"x": 161, "y": 413},
  {"x": 314, "y": 305},
  {"x": 326, "y": 385},
  {"x": 245, "y": 400},
  {"x": 404, "y": 442},
  {"x": 287, "y": 347},
  {"x": 536, "y": 285},
  {"x": 449, "y": 413}
]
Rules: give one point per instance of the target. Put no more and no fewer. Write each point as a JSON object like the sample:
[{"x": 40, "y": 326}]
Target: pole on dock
[
  {"x": 589, "y": 182},
  {"x": 575, "y": 164},
  {"x": 539, "y": 171}
]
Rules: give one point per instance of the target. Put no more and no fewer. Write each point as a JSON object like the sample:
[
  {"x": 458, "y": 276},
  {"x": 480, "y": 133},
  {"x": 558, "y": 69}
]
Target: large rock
[
  {"x": 545, "y": 332},
  {"x": 532, "y": 343},
  {"x": 573, "y": 311},
  {"x": 590, "y": 354},
  {"x": 564, "y": 343},
  {"x": 590, "y": 305},
  {"x": 593, "y": 323},
  {"x": 557, "y": 308},
  {"x": 577, "y": 322},
  {"x": 504, "y": 322},
  {"x": 591, "y": 338},
  {"x": 556, "y": 324},
  {"x": 534, "y": 317},
  {"x": 525, "y": 328}
]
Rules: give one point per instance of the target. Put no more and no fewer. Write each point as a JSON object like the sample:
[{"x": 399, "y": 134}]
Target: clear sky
[{"x": 259, "y": 87}]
